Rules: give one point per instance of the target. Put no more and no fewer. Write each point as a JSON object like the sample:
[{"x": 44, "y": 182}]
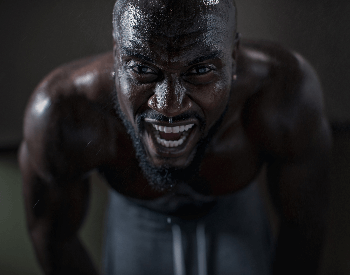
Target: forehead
[{"x": 166, "y": 32}]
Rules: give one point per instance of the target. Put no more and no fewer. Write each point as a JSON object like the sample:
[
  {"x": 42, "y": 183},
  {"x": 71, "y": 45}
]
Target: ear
[
  {"x": 236, "y": 44},
  {"x": 114, "y": 47}
]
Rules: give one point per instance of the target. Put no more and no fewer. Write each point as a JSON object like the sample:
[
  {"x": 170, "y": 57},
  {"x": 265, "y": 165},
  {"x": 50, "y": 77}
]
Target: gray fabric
[{"x": 237, "y": 238}]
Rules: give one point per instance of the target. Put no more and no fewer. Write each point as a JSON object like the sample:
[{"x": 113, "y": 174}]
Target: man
[{"x": 181, "y": 119}]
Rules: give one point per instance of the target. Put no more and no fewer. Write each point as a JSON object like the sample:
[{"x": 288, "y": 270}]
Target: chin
[{"x": 179, "y": 162}]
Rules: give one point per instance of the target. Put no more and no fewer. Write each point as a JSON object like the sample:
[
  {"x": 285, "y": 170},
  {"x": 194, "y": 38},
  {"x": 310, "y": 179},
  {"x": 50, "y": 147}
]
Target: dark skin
[{"x": 274, "y": 120}]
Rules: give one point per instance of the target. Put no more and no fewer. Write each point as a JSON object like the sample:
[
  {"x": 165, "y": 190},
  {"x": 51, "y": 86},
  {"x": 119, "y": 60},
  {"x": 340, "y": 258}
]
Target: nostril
[{"x": 169, "y": 106}]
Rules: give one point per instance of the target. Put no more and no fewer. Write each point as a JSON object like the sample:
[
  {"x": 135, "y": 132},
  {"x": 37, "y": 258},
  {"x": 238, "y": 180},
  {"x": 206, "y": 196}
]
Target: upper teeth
[{"x": 175, "y": 129}]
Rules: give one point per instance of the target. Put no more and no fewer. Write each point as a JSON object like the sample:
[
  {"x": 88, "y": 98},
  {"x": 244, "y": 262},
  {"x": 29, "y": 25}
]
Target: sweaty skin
[{"x": 263, "y": 102}]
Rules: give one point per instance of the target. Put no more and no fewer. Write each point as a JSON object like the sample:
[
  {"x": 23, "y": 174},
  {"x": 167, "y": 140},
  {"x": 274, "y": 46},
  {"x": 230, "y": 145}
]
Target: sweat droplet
[
  {"x": 211, "y": 2},
  {"x": 168, "y": 220},
  {"x": 36, "y": 203}
]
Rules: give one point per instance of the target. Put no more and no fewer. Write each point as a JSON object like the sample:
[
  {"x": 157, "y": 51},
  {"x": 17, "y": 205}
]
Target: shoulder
[
  {"x": 68, "y": 118},
  {"x": 85, "y": 77},
  {"x": 285, "y": 114},
  {"x": 266, "y": 61}
]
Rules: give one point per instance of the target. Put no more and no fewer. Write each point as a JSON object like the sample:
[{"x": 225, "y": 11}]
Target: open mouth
[
  {"x": 171, "y": 136},
  {"x": 171, "y": 139}
]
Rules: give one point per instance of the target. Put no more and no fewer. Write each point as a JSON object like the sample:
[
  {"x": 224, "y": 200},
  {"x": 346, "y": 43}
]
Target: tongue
[{"x": 170, "y": 136}]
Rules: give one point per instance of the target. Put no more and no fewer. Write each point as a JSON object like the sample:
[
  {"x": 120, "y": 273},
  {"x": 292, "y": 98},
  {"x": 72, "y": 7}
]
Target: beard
[{"x": 166, "y": 176}]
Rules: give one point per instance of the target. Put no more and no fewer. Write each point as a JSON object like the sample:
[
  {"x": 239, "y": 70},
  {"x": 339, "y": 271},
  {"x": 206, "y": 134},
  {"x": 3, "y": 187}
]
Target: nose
[{"x": 170, "y": 98}]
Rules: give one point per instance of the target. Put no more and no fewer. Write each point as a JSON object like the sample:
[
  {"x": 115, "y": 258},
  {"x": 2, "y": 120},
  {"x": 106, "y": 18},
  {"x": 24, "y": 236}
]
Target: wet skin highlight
[{"x": 189, "y": 72}]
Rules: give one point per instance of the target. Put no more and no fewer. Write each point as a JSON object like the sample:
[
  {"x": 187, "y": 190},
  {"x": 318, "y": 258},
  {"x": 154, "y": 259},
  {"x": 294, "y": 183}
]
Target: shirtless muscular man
[{"x": 181, "y": 119}]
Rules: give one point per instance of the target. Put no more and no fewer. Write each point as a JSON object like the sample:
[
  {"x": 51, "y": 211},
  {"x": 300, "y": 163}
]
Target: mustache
[{"x": 151, "y": 114}]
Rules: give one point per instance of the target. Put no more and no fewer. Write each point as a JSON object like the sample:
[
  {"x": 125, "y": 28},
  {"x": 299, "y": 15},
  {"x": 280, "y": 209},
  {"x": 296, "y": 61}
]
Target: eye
[
  {"x": 199, "y": 70},
  {"x": 141, "y": 69},
  {"x": 200, "y": 74},
  {"x": 142, "y": 73}
]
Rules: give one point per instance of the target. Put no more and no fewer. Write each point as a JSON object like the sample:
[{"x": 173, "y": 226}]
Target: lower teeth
[{"x": 171, "y": 143}]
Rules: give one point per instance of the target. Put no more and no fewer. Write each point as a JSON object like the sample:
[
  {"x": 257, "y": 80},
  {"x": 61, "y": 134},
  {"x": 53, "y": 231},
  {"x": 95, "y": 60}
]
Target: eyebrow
[
  {"x": 212, "y": 55},
  {"x": 199, "y": 59},
  {"x": 129, "y": 52}
]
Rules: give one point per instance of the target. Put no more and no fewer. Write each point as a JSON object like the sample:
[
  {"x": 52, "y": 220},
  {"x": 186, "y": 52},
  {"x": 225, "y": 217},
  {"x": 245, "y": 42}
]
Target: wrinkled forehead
[{"x": 204, "y": 25}]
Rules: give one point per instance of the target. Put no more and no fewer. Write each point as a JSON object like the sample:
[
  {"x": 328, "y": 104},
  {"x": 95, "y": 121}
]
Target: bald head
[
  {"x": 172, "y": 18},
  {"x": 173, "y": 59}
]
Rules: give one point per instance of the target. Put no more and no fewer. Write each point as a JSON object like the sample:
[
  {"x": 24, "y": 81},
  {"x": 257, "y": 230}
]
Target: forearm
[
  {"x": 62, "y": 256},
  {"x": 53, "y": 225},
  {"x": 298, "y": 251},
  {"x": 301, "y": 194}
]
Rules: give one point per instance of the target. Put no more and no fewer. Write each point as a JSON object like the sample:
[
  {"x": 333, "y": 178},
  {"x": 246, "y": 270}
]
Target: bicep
[
  {"x": 299, "y": 183},
  {"x": 55, "y": 208}
]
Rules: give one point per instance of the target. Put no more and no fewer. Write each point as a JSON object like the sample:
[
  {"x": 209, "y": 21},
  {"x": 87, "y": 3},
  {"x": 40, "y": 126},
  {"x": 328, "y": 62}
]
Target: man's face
[{"x": 173, "y": 79}]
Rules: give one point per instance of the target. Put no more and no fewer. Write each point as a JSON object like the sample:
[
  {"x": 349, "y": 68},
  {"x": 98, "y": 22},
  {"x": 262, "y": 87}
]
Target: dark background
[{"x": 37, "y": 36}]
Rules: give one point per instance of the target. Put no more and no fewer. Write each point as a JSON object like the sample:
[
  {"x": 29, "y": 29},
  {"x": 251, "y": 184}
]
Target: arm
[
  {"x": 298, "y": 173},
  {"x": 55, "y": 162},
  {"x": 286, "y": 117},
  {"x": 55, "y": 210}
]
